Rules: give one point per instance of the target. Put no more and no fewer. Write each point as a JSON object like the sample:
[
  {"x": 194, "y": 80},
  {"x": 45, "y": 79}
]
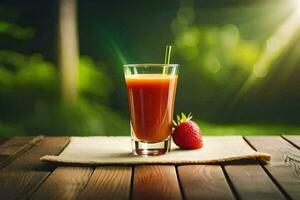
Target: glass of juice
[{"x": 151, "y": 90}]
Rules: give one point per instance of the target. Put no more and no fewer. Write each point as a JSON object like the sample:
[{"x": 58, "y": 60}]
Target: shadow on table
[{"x": 245, "y": 162}]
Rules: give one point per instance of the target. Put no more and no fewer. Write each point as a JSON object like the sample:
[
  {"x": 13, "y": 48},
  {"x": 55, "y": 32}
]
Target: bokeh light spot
[
  {"x": 229, "y": 35},
  {"x": 259, "y": 72},
  {"x": 273, "y": 44},
  {"x": 212, "y": 64}
]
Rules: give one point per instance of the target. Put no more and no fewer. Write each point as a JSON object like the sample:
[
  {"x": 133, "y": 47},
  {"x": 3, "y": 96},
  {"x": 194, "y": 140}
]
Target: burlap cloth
[{"x": 117, "y": 150}]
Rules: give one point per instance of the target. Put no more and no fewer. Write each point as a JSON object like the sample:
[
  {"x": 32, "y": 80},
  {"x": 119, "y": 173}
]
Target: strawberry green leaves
[{"x": 182, "y": 118}]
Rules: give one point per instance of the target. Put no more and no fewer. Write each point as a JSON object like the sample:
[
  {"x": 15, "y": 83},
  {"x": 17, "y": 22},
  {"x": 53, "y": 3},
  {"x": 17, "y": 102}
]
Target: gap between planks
[
  {"x": 63, "y": 183},
  {"x": 102, "y": 182},
  {"x": 23, "y": 175},
  {"x": 284, "y": 166},
  {"x": 108, "y": 182},
  {"x": 16, "y": 146},
  {"x": 204, "y": 182},
  {"x": 293, "y": 139},
  {"x": 130, "y": 193},
  {"x": 249, "y": 180}
]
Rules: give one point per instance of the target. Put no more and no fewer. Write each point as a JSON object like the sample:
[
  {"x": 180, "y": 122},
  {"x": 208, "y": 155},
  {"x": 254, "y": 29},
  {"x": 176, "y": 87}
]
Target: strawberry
[{"x": 187, "y": 134}]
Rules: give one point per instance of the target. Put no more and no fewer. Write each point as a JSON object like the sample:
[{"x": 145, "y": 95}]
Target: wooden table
[{"x": 23, "y": 176}]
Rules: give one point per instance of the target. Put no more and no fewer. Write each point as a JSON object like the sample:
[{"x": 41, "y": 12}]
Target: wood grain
[
  {"x": 108, "y": 182},
  {"x": 22, "y": 176},
  {"x": 252, "y": 182},
  {"x": 204, "y": 182},
  {"x": 155, "y": 182},
  {"x": 63, "y": 183},
  {"x": 284, "y": 166},
  {"x": 15, "y": 147},
  {"x": 295, "y": 139}
]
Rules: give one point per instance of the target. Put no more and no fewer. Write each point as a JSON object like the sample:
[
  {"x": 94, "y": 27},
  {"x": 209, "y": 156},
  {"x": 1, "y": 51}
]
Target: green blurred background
[{"x": 61, "y": 63}]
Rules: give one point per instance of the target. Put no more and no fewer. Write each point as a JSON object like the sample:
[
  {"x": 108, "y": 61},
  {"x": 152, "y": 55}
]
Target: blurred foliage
[
  {"x": 92, "y": 80},
  {"x": 15, "y": 31},
  {"x": 216, "y": 43},
  {"x": 19, "y": 71},
  {"x": 222, "y": 60},
  {"x": 81, "y": 118},
  {"x": 29, "y": 87},
  {"x": 30, "y": 100},
  {"x": 217, "y": 58},
  {"x": 216, "y": 50}
]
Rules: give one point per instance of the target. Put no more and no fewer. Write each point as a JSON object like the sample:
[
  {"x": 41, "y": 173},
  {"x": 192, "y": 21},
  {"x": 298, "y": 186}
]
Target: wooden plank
[
  {"x": 63, "y": 183},
  {"x": 155, "y": 182},
  {"x": 295, "y": 139},
  {"x": 252, "y": 182},
  {"x": 108, "y": 182},
  {"x": 15, "y": 147},
  {"x": 22, "y": 176},
  {"x": 284, "y": 166},
  {"x": 204, "y": 182}
]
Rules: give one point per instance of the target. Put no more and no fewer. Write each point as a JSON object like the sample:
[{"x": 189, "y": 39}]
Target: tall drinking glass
[{"x": 151, "y": 90}]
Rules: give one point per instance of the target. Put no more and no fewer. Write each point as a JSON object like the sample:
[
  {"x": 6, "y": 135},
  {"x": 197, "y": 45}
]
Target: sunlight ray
[{"x": 276, "y": 45}]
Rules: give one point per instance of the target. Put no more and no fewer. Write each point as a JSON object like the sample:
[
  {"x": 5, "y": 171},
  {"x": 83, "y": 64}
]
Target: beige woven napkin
[{"x": 117, "y": 150}]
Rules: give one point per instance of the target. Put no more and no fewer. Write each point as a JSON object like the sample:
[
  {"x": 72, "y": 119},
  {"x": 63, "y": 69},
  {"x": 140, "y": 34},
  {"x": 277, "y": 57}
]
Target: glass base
[{"x": 151, "y": 148}]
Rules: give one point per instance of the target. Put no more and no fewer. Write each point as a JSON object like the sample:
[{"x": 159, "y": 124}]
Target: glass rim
[{"x": 151, "y": 65}]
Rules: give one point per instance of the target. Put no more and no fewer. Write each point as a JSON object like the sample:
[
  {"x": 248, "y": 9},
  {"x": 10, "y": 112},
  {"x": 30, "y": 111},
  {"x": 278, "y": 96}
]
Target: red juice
[{"x": 151, "y": 103}]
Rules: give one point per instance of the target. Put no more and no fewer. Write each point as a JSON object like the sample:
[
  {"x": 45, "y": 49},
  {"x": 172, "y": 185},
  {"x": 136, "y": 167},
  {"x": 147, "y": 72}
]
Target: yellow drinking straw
[{"x": 167, "y": 56}]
